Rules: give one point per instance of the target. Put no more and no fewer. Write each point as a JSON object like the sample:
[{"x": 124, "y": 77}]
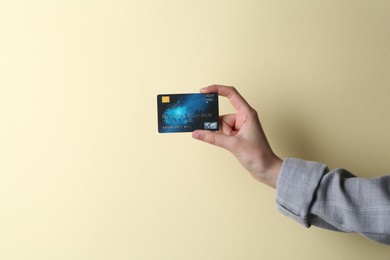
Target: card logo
[{"x": 210, "y": 125}]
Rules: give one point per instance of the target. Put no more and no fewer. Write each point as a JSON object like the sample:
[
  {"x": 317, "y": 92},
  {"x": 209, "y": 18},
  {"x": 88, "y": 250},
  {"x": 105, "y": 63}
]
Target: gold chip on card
[{"x": 165, "y": 99}]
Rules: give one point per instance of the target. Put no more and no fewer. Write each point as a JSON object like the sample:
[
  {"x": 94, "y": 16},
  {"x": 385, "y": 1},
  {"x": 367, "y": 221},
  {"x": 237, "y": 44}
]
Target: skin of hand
[{"x": 243, "y": 136}]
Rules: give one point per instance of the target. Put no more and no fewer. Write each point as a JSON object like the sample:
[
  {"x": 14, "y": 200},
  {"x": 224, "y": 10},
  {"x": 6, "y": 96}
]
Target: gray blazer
[{"x": 337, "y": 200}]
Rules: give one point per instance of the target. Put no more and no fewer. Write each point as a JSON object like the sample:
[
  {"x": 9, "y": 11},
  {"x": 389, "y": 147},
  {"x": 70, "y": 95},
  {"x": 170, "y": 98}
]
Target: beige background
[{"x": 84, "y": 173}]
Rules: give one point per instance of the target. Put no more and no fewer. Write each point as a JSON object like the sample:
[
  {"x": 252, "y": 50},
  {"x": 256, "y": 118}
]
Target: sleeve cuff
[{"x": 296, "y": 187}]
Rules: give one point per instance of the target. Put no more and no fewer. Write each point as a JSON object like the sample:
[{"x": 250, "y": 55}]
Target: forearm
[{"x": 312, "y": 195}]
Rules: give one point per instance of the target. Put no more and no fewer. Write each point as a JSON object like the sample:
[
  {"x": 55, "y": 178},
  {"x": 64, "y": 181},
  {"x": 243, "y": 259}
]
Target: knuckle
[
  {"x": 210, "y": 138},
  {"x": 233, "y": 89},
  {"x": 253, "y": 113}
]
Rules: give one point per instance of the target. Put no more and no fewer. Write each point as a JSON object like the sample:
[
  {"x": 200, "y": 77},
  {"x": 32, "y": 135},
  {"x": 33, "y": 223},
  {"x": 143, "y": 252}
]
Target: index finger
[{"x": 235, "y": 98}]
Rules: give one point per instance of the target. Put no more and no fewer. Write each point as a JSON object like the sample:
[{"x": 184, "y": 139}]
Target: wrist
[{"x": 268, "y": 173}]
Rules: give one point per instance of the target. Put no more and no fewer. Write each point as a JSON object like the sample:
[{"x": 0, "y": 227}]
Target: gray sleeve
[{"x": 312, "y": 195}]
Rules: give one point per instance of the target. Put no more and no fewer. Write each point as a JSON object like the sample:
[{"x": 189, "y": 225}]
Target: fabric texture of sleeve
[{"x": 337, "y": 200}]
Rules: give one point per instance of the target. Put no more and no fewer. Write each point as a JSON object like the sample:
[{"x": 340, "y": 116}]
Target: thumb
[{"x": 213, "y": 138}]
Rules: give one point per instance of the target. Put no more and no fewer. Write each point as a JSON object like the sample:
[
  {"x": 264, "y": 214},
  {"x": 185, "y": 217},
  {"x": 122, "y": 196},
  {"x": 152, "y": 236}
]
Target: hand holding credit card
[
  {"x": 187, "y": 112},
  {"x": 241, "y": 134}
]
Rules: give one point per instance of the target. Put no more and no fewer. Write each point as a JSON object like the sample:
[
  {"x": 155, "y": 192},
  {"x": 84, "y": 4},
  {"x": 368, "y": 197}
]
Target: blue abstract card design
[{"x": 187, "y": 112}]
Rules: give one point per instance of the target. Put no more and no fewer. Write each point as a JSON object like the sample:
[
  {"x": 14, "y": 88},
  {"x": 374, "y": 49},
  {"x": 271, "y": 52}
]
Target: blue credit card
[{"x": 187, "y": 112}]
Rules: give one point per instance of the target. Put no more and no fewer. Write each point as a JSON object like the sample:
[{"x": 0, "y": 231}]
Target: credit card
[{"x": 187, "y": 112}]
